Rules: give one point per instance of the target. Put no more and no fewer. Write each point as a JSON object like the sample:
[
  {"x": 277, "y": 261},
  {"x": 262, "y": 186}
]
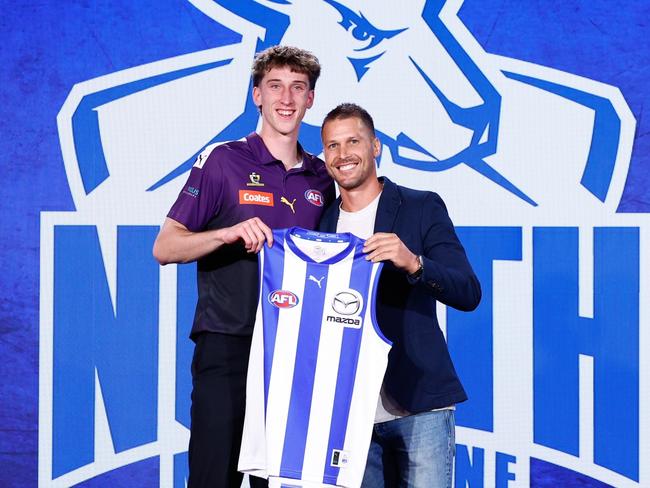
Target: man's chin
[{"x": 347, "y": 184}]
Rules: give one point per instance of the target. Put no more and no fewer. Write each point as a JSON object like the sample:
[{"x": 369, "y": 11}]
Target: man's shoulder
[
  {"x": 219, "y": 153},
  {"x": 316, "y": 163},
  {"x": 417, "y": 197}
]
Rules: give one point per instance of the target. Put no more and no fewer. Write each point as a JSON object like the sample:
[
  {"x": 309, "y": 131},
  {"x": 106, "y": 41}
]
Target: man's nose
[
  {"x": 285, "y": 96},
  {"x": 343, "y": 151}
]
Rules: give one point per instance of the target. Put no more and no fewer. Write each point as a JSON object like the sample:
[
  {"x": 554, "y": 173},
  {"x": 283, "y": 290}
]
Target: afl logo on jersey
[
  {"x": 314, "y": 197},
  {"x": 283, "y": 299}
]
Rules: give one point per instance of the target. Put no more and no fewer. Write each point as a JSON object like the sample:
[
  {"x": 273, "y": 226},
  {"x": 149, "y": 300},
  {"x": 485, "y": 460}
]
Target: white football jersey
[{"x": 317, "y": 362}]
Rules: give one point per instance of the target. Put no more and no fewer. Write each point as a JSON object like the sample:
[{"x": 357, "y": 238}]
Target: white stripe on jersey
[
  {"x": 325, "y": 381},
  {"x": 284, "y": 357},
  {"x": 317, "y": 362}
]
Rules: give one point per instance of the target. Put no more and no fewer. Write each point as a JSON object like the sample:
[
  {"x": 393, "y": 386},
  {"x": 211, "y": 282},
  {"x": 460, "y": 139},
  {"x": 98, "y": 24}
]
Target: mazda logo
[{"x": 346, "y": 303}]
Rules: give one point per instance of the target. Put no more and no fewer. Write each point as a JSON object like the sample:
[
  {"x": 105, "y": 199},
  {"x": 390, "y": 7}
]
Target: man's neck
[
  {"x": 282, "y": 147},
  {"x": 359, "y": 198}
]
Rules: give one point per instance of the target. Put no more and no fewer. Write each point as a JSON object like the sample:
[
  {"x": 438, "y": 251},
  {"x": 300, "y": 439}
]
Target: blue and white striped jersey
[{"x": 317, "y": 362}]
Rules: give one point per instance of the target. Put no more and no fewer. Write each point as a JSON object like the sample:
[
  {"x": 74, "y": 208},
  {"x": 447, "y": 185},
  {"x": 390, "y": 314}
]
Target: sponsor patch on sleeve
[{"x": 191, "y": 191}]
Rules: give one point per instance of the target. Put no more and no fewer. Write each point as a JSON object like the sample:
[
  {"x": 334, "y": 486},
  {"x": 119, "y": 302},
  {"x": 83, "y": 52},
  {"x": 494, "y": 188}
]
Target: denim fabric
[{"x": 412, "y": 452}]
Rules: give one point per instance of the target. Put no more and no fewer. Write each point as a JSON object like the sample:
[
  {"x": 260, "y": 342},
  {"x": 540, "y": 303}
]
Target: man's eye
[{"x": 360, "y": 28}]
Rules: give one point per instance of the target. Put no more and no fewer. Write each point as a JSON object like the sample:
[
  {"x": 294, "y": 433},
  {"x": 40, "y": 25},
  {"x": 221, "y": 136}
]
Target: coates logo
[
  {"x": 248, "y": 197},
  {"x": 283, "y": 299},
  {"x": 314, "y": 197}
]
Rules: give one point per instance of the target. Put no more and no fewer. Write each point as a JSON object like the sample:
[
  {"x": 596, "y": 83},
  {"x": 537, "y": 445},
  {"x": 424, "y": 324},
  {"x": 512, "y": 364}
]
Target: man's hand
[
  {"x": 388, "y": 247},
  {"x": 177, "y": 244},
  {"x": 253, "y": 232}
]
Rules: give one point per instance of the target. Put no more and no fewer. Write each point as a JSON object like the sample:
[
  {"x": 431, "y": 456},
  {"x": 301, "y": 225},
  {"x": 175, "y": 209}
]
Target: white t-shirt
[{"x": 362, "y": 224}]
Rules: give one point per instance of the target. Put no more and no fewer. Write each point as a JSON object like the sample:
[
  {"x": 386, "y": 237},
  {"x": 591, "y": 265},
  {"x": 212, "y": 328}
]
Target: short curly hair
[{"x": 298, "y": 60}]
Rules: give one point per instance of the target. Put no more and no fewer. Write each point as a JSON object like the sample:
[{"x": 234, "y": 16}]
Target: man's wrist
[{"x": 415, "y": 275}]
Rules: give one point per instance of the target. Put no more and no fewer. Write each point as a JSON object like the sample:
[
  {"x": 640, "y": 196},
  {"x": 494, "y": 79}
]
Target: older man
[{"x": 413, "y": 437}]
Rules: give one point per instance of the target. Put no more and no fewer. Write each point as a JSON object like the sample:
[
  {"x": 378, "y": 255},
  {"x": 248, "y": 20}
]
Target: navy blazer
[{"x": 420, "y": 375}]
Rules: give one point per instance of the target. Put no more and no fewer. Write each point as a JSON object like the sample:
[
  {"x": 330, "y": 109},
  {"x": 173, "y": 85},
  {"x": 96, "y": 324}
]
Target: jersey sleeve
[{"x": 201, "y": 196}]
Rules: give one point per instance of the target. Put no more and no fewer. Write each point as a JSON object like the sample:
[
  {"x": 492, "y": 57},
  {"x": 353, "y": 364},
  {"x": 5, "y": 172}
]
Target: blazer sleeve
[{"x": 447, "y": 274}]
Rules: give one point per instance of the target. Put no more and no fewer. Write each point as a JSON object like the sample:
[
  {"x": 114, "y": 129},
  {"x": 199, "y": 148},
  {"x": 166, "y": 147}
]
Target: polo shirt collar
[{"x": 262, "y": 154}]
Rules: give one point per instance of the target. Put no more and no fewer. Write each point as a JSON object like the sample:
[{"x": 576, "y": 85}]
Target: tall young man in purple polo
[
  {"x": 235, "y": 194},
  {"x": 410, "y": 231}
]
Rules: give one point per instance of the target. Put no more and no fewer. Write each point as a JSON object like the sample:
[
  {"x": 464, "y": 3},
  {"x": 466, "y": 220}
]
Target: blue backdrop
[{"x": 47, "y": 47}]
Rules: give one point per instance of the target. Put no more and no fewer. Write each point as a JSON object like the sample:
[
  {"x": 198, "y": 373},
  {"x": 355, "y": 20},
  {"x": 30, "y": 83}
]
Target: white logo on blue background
[{"x": 531, "y": 162}]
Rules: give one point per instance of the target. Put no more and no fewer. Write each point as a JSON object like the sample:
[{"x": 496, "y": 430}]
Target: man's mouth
[
  {"x": 347, "y": 166},
  {"x": 285, "y": 112}
]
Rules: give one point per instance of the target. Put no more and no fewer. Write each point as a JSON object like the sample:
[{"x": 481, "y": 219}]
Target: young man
[
  {"x": 413, "y": 438},
  {"x": 235, "y": 194}
]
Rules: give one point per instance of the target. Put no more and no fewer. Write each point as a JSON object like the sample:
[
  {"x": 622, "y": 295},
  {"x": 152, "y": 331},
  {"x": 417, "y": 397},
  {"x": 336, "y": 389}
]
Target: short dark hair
[
  {"x": 299, "y": 60},
  {"x": 347, "y": 111}
]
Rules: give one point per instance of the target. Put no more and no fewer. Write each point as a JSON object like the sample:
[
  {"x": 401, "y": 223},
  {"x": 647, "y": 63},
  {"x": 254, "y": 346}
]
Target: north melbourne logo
[{"x": 459, "y": 134}]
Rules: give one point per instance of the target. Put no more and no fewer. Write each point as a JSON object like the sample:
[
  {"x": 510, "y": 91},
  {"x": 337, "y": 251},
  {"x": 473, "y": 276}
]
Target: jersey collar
[{"x": 262, "y": 154}]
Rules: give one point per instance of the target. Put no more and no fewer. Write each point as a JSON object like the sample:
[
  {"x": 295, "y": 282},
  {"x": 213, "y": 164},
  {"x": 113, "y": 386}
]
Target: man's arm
[
  {"x": 383, "y": 246},
  {"x": 447, "y": 274},
  {"x": 177, "y": 244}
]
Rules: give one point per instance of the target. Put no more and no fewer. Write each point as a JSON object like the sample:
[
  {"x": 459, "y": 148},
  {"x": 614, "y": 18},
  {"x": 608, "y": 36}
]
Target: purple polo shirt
[{"x": 228, "y": 184}]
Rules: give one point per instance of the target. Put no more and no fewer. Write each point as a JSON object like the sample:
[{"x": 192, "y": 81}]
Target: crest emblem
[{"x": 254, "y": 180}]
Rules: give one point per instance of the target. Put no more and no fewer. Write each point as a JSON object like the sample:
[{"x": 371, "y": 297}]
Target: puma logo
[
  {"x": 313, "y": 278},
  {"x": 290, "y": 204}
]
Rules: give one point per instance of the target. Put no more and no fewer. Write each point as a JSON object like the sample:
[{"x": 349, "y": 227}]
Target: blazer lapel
[{"x": 389, "y": 203}]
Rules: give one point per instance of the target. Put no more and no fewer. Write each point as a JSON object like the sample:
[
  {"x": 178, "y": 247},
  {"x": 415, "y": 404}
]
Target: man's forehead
[
  {"x": 345, "y": 127},
  {"x": 285, "y": 72}
]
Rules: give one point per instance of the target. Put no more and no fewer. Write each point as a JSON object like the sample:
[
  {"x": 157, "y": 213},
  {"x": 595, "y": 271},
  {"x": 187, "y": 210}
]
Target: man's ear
[{"x": 257, "y": 96}]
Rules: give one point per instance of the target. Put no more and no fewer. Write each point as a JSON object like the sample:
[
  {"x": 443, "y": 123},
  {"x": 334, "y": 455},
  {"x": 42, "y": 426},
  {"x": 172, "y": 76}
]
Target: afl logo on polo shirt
[
  {"x": 314, "y": 197},
  {"x": 283, "y": 299},
  {"x": 250, "y": 197}
]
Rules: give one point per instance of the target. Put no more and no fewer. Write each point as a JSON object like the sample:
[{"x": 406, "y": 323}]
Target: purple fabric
[
  {"x": 214, "y": 191},
  {"x": 234, "y": 182}
]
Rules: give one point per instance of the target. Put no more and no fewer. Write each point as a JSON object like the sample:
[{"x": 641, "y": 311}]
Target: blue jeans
[{"x": 412, "y": 452}]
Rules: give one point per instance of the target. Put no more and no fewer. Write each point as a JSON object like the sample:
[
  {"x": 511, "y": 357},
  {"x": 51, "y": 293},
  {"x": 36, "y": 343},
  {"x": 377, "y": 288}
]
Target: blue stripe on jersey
[
  {"x": 304, "y": 371},
  {"x": 271, "y": 279},
  {"x": 360, "y": 281},
  {"x": 373, "y": 307}
]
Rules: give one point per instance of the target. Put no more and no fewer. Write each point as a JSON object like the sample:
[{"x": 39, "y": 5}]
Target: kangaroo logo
[
  {"x": 453, "y": 115},
  {"x": 502, "y": 140}
]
